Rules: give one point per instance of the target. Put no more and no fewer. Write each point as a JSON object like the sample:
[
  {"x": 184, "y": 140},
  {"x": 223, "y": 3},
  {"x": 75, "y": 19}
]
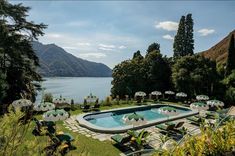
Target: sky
[{"x": 111, "y": 31}]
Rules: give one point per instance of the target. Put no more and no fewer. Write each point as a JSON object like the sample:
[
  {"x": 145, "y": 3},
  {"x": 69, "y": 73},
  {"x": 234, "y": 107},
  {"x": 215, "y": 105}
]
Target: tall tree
[
  {"x": 183, "y": 41},
  {"x": 18, "y": 60},
  {"x": 231, "y": 56},
  {"x": 179, "y": 40},
  {"x": 158, "y": 72},
  {"x": 189, "y": 41}
]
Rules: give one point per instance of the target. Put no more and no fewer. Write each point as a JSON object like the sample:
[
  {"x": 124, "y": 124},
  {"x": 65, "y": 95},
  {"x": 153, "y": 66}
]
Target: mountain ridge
[
  {"x": 219, "y": 52},
  {"x": 55, "y": 61}
]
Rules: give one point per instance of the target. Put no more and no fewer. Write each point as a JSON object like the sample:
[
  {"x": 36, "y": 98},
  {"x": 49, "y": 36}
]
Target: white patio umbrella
[
  {"x": 46, "y": 106},
  {"x": 157, "y": 93},
  {"x": 169, "y": 92},
  {"x": 134, "y": 119},
  {"x": 21, "y": 103},
  {"x": 91, "y": 98},
  {"x": 140, "y": 93},
  {"x": 167, "y": 110},
  {"x": 215, "y": 103},
  {"x": 202, "y": 97},
  {"x": 55, "y": 115},
  {"x": 181, "y": 94},
  {"x": 60, "y": 101},
  {"x": 199, "y": 106}
]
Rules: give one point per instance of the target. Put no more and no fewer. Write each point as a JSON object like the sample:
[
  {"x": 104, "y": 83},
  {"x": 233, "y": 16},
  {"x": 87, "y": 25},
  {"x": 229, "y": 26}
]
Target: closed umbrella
[
  {"x": 202, "y": 97},
  {"x": 199, "y": 106},
  {"x": 46, "y": 106}
]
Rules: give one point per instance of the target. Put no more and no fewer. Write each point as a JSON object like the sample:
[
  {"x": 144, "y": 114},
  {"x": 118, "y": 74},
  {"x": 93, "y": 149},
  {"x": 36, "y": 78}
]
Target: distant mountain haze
[
  {"x": 219, "y": 52},
  {"x": 55, "y": 61}
]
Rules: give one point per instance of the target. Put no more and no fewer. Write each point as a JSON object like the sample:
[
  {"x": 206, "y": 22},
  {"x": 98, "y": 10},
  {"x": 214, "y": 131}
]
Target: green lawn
[{"x": 85, "y": 145}]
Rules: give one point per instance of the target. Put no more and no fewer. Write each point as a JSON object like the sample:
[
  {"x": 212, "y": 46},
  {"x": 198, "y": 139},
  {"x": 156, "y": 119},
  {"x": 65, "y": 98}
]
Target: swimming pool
[{"x": 111, "y": 121}]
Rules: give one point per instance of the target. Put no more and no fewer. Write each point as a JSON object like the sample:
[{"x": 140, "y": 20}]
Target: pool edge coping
[{"x": 84, "y": 123}]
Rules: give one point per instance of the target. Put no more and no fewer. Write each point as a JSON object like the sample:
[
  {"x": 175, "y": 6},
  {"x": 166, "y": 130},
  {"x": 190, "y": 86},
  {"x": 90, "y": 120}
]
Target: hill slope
[
  {"x": 55, "y": 61},
  {"x": 219, "y": 52}
]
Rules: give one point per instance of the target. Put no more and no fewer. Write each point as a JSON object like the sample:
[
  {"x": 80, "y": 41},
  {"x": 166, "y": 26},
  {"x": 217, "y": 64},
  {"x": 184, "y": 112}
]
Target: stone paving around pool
[{"x": 154, "y": 139}]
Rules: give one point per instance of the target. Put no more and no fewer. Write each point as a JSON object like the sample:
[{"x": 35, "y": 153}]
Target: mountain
[
  {"x": 55, "y": 61},
  {"x": 219, "y": 52}
]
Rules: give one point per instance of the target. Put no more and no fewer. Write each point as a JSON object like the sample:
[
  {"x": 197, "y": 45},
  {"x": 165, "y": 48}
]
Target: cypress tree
[
  {"x": 231, "y": 56},
  {"x": 179, "y": 41},
  {"x": 184, "y": 42},
  {"x": 189, "y": 42}
]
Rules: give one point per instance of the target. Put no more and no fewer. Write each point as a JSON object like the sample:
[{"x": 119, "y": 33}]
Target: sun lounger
[
  {"x": 121, "y": 139},
  {"x": 166, "y": 127},
  {"x": 195, "y": 120}
]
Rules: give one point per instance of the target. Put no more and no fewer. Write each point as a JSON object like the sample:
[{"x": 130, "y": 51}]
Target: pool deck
[
  {"x": 154, "y": 140},
  {"x": 84, "y": 123}
]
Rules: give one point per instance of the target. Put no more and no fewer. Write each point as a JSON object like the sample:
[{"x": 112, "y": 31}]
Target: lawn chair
[
  {"x": 179, "y": 128},
  {"x": 166, "y": 127},
  {"x": 86, "y": 108},
  {"x": 61, "y": 141},
  {"x": 121, "y": 139},
  {"x": 196, "y": 120}
]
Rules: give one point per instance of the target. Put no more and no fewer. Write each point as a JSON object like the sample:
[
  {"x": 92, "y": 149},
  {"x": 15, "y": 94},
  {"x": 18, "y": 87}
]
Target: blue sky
[{"x": 111, "y": 31}]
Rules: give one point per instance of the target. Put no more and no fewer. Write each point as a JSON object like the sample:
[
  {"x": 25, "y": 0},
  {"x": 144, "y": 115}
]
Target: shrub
[
  {"x": 108, "y": 101},
  {"x": 13, "y": 139},
  {"x": 210, "y": 142},
  {"x": 230, "y": 95},
  {"x": 48, "y": 97}
]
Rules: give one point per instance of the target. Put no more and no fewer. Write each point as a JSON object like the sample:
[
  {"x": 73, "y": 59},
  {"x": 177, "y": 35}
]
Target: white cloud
[
  {"x": 107, "y": 46},
  {"x": 83, "y": 44},
  {"x": 94, "y": 55},
  {"x": 168, "y": 37},
  {"x": 53, "y": 35},
  {"x": 105, "y": 49},
  {"x": 205, "y": 32},
  {"x": 167, "y": 25},
  {"x": 122, "y": 47},
  {"x": 70, "y": 48}
]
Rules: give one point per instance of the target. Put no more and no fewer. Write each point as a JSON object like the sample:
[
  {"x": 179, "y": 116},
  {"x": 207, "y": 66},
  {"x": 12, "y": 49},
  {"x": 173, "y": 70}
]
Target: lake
[{"x": 77, "y": 87}]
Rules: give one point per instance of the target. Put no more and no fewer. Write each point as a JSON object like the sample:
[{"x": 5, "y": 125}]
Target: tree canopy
[
  {"x": 18, "y": 60},
  {"x": 194, "y": 75},
  {"x": 141, "y": 74}
]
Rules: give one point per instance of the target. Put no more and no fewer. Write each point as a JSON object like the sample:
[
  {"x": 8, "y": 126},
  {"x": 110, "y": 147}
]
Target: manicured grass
[{"x": 84, "y": 145}]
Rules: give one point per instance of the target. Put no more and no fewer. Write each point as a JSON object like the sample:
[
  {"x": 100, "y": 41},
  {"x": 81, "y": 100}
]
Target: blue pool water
[{"x": 115, "y": 118}]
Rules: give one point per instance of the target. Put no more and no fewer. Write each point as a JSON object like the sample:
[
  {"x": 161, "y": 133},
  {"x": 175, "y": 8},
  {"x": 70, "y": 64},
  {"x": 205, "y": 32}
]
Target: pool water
[{"x": 115, "y": 118}]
